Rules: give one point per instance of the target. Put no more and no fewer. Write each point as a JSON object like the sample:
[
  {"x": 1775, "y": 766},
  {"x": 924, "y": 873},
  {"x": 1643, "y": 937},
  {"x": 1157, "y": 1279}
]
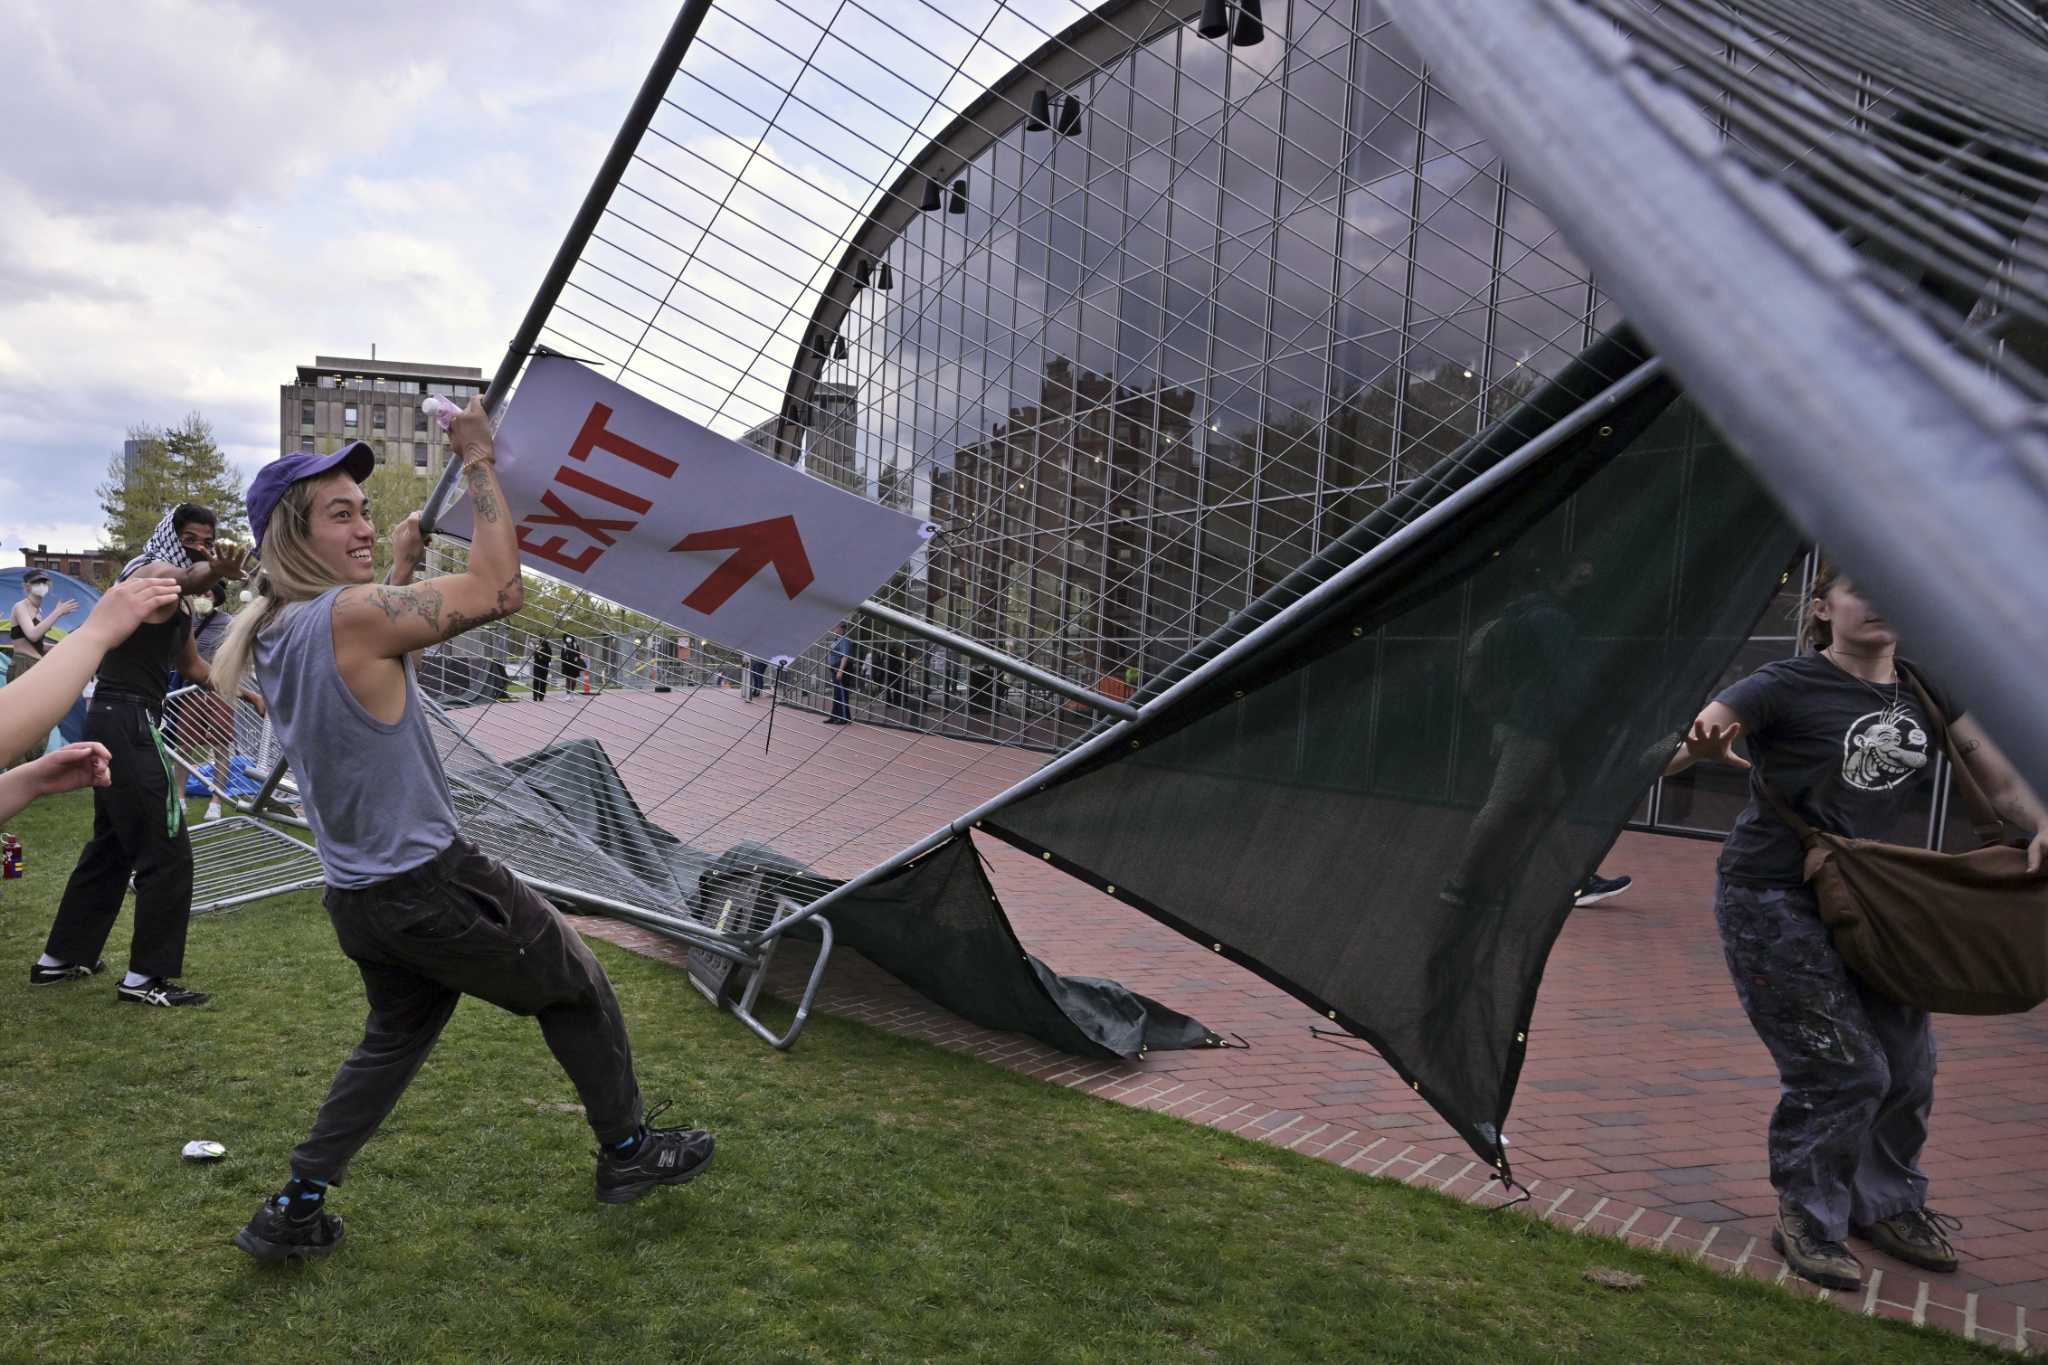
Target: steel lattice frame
[{"x": 1169, "y": 346}]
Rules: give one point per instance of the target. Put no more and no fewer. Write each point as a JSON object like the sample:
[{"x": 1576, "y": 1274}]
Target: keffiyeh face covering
[{"x": 162, "y": 547}]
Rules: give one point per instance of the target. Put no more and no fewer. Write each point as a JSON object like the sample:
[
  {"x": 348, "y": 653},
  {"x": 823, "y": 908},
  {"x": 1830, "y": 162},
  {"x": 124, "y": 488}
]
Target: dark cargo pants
[
  {"x": 138, "y": 828},
  {"x": 1855, "y": 1070},
  {"x": 464, "y": 925}
]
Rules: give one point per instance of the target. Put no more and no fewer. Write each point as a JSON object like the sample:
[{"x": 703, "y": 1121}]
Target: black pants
[
  {"x": 540, "y": 678},
  {"x": 464, "y": 925},
  {"x": 131, "y": 833}
]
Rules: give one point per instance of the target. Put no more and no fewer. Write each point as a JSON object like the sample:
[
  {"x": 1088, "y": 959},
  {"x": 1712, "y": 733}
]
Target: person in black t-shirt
[
  {"x": 138, "y": 823},
  {"x": 1842, "y": 738}
]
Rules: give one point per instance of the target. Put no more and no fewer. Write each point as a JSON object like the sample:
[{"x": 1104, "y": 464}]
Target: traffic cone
[{"x": 586, "y": 682}]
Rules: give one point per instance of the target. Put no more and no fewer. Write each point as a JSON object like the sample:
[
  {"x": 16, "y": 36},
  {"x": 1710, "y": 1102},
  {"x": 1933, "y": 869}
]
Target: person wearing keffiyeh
[{"x": 139, "y": 817}]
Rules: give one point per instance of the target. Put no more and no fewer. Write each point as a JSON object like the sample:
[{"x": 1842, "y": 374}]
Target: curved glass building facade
[{"x": 1156, "y": 315}]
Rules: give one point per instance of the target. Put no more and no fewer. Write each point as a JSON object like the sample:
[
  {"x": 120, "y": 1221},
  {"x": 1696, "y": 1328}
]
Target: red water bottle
[{"x": 10, "y": 857}]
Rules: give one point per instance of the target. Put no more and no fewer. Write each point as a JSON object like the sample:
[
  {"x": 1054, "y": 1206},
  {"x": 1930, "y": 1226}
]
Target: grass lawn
[{"x": 873, "y": 1199}]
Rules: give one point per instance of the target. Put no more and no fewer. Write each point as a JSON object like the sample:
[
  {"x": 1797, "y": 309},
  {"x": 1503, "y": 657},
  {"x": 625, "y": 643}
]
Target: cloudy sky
[{"x": 204, "y": 195}]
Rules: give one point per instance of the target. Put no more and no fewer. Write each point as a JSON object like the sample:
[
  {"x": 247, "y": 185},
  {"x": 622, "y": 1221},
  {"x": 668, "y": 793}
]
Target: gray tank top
[{"x": 375, "y": 794}]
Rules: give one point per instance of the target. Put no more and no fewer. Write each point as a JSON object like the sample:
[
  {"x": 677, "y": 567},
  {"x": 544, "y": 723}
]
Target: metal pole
[
  {"x": 1853, "y": 411},
  {"x": 1052, "y": 682},
  {"x": 1593, "y": 409},
  {"x": 680, "y": 34}
]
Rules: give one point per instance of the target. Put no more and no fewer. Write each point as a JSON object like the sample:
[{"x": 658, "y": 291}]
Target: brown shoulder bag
[{"x": 1957, "y": 933}]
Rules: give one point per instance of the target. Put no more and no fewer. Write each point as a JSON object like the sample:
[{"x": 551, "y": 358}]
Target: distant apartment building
[
  {"x": 131, "y": 457},
  {"x": 338, "y": 399},
  {"x": 823, "y": 438},
  {"x": 88, "y": 566}
]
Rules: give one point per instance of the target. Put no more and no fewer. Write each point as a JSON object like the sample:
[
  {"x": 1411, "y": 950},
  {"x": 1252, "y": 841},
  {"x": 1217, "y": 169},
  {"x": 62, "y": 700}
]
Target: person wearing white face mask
[{"x": 28, "y": 627}]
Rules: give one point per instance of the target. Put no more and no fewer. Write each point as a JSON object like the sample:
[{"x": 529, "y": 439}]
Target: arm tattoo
[
  {"x": 458, "y": 622},
  {"x": 1969, "y": 746},
  {"x": 422, "y": 601},
  {"x": 482, "y": 493}
]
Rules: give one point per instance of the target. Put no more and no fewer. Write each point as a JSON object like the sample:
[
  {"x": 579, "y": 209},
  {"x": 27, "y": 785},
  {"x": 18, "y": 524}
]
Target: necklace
[{"x": 1891, "y": 704}]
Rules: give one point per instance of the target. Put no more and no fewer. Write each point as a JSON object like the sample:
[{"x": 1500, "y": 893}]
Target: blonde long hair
[{"x": 287, "y": 572}]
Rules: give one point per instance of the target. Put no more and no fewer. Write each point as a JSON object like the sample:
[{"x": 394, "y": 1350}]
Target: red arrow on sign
[{"x": 754, "y": 547}]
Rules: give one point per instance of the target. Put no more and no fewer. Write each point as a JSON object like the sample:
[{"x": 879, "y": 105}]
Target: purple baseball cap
[{"x": 271, "y": 481}]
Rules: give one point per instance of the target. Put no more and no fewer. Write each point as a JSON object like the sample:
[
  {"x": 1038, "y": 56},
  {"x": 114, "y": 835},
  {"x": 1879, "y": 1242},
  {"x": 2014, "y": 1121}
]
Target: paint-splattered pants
[{"x": 1856, "y": 1069}]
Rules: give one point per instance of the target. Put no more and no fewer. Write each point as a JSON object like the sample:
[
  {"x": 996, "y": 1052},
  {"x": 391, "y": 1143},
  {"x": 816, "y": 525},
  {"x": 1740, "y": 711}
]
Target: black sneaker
[
  {"x": 1597, "y": 889},
  {"x": 1917, "y": 1237},
  {"x": 158, "y": 991},
  {"x": 665, "y": 1156},
  {"x": 1811, "y": 1255},
  {"x": 273, "y": 1236},
  {"x": 39, "y": 975}
]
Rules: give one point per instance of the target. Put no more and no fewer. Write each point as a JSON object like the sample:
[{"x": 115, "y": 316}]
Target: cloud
[{"x": 216, "y": 192}]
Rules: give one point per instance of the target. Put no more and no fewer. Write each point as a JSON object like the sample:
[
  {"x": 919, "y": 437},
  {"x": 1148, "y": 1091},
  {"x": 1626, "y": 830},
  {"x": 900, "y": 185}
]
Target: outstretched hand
[
  {"x": 228, "y": 561},
  {"x": 62, "y": 610},
  {"x": 127, "y": 605},
  {"x": 71, "y": 767},
  {"x": 1715, "y": 744}
]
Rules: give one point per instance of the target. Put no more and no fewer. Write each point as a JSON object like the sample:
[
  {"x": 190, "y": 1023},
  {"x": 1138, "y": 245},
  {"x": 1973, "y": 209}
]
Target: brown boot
[
  {"x": 1917, "y": 1237},
  {"x": 1811, "y": 1255}
]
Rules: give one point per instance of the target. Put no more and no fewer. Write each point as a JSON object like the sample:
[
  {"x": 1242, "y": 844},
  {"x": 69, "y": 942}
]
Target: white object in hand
[{"x": 441, "y": 409}]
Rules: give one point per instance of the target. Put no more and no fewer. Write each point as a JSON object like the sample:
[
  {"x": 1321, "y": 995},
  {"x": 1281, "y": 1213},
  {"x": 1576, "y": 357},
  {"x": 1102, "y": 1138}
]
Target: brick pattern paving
[{"x": 1644, "y": 1098}]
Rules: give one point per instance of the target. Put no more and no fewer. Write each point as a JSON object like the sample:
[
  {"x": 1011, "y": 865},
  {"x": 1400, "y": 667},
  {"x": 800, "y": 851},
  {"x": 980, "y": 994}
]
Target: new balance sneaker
[
  {"x": 39, "y": 975},
  {"x": 665, "y": 1156},
  {"x": 1917, "y": 1237},
  {"x": 1811, "y": 1255},
  {"x": 160, "y": 992},
  {"x": 1597, "y": 889},
  {"x": 272, "y": 1235}
]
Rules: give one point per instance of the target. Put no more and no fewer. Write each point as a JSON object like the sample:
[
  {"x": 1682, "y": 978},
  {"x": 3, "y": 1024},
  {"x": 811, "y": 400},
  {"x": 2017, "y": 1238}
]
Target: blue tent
[{"x": 62, "y": 585}]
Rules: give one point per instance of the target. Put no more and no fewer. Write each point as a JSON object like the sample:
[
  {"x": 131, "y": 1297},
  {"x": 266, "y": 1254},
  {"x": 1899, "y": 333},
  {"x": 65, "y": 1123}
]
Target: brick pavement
[{"x": 1642, "y": 1103}]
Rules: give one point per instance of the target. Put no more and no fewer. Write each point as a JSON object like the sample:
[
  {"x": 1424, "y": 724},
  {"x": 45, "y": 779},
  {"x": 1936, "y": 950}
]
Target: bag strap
[{"x": 1984, "y": 817}]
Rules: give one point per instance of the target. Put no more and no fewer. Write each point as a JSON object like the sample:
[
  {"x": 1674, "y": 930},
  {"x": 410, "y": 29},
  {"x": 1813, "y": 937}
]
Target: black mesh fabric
[
  {"x": 1386, "y": 808},
  {"x": 936, "y": 925}
]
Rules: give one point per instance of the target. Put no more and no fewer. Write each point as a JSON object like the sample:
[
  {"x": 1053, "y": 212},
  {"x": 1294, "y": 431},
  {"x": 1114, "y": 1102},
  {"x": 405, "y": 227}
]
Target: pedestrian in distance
[
  {"x": 426, "y": 916},
  {"x": 543, "y": 660},
  {"x": 1842, "y": 738},
  {"x": 574, "y": 668},
  {"x": 29, "y": 706},
  {"x": 28, "y": 629},
  {"x": 841, "y": 665}
]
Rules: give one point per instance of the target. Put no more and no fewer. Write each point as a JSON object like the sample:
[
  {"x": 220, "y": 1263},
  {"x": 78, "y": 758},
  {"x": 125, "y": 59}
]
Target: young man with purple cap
[
  {"x": 426, "y": 915},
  {"x": 138, "y": 824}
]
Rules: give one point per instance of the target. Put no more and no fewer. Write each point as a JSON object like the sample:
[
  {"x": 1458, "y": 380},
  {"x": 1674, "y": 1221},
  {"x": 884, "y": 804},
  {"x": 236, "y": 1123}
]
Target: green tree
[
  {"x": 175, "y": 464},
  {"x": 395, "y": 491}
]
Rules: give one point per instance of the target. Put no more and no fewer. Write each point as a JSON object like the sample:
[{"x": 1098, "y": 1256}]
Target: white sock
[
  {"x": 47, "y": 961},
  {"x": 136, "y": 979}
]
